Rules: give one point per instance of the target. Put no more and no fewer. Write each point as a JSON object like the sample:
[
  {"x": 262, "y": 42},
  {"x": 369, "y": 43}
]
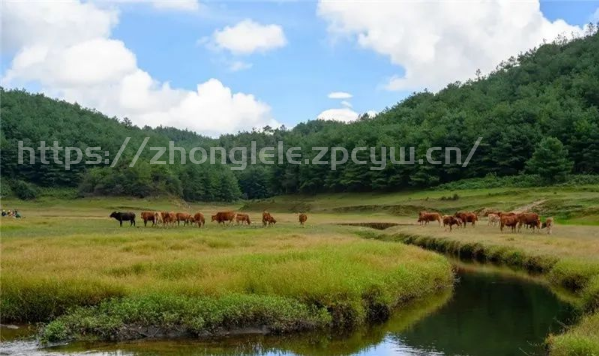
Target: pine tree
[{"x": 550, "y": 160}]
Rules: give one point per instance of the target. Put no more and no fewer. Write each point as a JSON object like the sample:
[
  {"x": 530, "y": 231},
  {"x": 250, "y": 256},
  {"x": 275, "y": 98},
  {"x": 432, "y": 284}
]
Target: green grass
[
  {"x": 67, "y": 262},
  {"x": 73, "y": 265}
]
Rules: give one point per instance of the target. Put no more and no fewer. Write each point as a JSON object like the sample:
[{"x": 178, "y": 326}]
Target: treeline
[{"x": 538, "y": 113}]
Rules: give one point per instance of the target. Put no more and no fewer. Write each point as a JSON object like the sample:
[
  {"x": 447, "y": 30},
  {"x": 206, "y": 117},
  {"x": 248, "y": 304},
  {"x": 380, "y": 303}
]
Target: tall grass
[{"x": 45, "y": 275}]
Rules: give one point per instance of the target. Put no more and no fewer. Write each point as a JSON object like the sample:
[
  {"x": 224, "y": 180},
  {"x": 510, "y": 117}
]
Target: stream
[{"x": 488, "y": 313}]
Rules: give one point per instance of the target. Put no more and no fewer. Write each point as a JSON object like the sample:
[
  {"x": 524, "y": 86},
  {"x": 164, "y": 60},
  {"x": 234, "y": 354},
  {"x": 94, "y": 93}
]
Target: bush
[{"x": 24, "y": 190}]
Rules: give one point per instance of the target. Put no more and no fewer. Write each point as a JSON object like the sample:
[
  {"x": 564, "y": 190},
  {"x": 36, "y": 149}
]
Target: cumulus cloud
[
  {"x": 346, "y": 103},
  {"x": 184, "y": 5},
  {"x": 339, "y": 95},
  {"x": 72, "y": 57},
  {"x": 236, "y": 66},
  {"x": 247, "y": 37},
  {"x": 440, "y": 42},
  {"x": 343, "y": 115}
]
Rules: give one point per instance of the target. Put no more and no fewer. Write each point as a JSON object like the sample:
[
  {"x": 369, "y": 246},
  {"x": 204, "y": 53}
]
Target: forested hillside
[{"x": 538, "y": 113}]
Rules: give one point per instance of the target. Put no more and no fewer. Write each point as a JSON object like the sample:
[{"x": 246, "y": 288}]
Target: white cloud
[
  {"x": 339, "y": 95},
  {"x": 248, "y": 37},
  {"x": 239, "y": 65},
  {"x": 183, "y": 5},
  {"x": 343, "y": 115},
  {"x": 346, "y": 103},
  {"x": 441, "y": 42},
  {"x": 595, "y": 16},
  {"x": 71, "y": 55}
]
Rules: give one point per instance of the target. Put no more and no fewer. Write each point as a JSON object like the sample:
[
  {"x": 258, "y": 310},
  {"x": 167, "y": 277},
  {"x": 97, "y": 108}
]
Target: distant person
[
  {"x": 4, "y": 212},
  {"x": 17, "y": 215}
]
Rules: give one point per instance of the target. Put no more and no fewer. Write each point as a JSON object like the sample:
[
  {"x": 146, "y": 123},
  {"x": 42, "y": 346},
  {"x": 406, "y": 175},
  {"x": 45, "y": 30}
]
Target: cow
[
  {"x": 243, "y": 218},
  {"x": 224, "y": 216},
  {"x": 467, "y": 217},
  {"x": 451, "y": 220},
  {"x": 530, "y": 219},
  {"x": 424, "y": 217},
  {"x": 182, "y": 217},
  {"x": 493, "y": 219},
  {"x": 487, "y": 212},
  {"x": 126, "y": 216},
  {"x": 265, "y": 217},
  {"x": 149, "y": 216},
  {"x": 268, "y": 219},
  {"x": 302, "y": 218},
  {"x": 548, "y": 224},
  {"x": 509, "y": 221},
  {"x": 168, "y": 218},
  {"x": 198, "y": 218}
]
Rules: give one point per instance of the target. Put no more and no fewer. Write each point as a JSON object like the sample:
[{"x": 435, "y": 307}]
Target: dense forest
[{"x": 538, "y": 113}]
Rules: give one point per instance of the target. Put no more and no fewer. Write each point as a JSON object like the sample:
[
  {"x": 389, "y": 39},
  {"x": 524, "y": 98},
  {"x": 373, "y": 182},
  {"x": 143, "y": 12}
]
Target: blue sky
[{"x": 323, "y": 53}]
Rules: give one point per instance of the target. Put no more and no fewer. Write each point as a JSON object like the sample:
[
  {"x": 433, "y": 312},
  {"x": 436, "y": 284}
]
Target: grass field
[{"x": 67, "y": 253}]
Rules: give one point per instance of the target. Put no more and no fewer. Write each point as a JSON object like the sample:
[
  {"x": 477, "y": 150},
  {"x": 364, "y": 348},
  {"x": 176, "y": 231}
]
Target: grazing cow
[
  {"x": 126, "y": 216},
  {"x": 265, "y": 217},
  {"x": 487, "y": 212},
  {"x": 509, "y": 221},
  {"x": 243, "y": 218},
  {"x": 548, "y": 224},
  {"x": 493, "y": 219},
  {"x": 149, "y": 216},
  {"x": 302, "y": 218},
  {"x": 467, "y": 217},
  {"x": 224, "y": 216},
  {"x": 530, "y": 219},
  {"x": 199, "y": 219},
  {"x": 451, "y": 220},
  {"x": 424, "y": 217},
  {"x": 182, "y": 217}
]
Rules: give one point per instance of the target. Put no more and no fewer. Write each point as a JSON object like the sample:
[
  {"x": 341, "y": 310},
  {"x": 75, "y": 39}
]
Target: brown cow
[
  {"x": 493, "y": 219},
  {"x": 302, "y": 218},
  {"x": 168, "y": 218},
  {"x": 424, "y": 217},
  {"x": 265, "y": 217},
  {"x": 451, "y": 220},
  {"x": 530, "y": 219},
  {"x": 182, "y": 217},
  {"x": 548, "y": 224},
  {"x": 467, "y": 217},
  {"x": 243, "y": 218},
  {"x": 198, "y": 218},
  {"x": 224, "y": 216},
  {"x": 509, "y": 221},
  {"x": 149, "y": 216}
]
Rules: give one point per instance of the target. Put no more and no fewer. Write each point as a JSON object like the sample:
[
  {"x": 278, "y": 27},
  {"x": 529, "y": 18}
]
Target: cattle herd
[
  {"x": 169, "y": 219},
  {"x": 512, "y": 220}
]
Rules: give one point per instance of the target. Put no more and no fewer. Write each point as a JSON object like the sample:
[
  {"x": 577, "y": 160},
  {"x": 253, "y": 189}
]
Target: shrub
[{"x": 24, "y": 190}]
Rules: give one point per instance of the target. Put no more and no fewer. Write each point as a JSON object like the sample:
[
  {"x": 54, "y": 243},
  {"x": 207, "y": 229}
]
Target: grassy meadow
[{"x": 68, "y": 263}]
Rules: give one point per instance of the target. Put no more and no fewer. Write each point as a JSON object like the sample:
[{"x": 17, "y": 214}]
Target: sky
[{"x": 225, "y": 66}]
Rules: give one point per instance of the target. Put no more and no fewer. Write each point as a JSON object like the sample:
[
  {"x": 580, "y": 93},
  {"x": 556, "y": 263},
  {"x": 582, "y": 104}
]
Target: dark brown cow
[
  {"x": 243, "y": 218},
  {"x": 302, "y": 218},
  {"x": 149, "y": 216},
  {"x": 451, "y": 220},
  {"x": 467, "y": 217},
  {"x": 199, "y": 219},
  {"x": 126, "y": 216},
  {"x": 224, "y": 216},
  {"x": 509, "y": 221},
  {"x": 425, "y": 218},
  {"x": 182, "y": 217},
  {"x": 530, "y": 219}
]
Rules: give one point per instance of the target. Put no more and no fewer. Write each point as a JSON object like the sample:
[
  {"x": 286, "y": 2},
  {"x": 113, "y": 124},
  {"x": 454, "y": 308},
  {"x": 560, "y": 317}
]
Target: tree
[{"x": 550, "y": 160}]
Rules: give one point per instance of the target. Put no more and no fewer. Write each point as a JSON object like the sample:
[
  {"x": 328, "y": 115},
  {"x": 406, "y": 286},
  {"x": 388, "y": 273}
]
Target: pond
[{"x": 487, "y": 314}]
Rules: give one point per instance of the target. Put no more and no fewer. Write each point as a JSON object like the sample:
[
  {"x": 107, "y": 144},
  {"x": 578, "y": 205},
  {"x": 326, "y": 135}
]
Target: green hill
[{"x": 537, "y": 113}]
